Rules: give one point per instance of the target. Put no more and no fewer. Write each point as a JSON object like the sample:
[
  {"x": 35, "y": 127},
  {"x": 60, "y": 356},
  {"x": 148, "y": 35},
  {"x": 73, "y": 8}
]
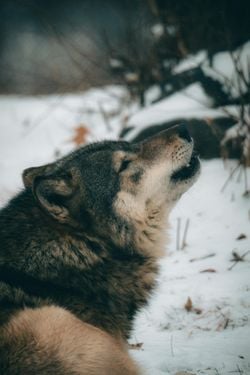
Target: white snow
[
  {"x": 190, "y": 62},
  {"x": 221, "y": 67},
  {"x": 191, "y": 102},
  {"x": 216, "y": 341}
]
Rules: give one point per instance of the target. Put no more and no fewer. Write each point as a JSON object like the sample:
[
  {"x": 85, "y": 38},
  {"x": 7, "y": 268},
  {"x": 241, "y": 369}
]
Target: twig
[
  {"x": 184, "y": 243},
  {"x": 229, "y": 177},
  {"x": 230, "y": 114},
  {"x": 178, "y": 233},
  {"x": 237, "y": 258},
  {"x": 239, "y": 175},
  {"x": 245, "y": 179},
  {"x": 226, "y": 80},
  {"x": 239, "y": 70},
  {"x": 104, "y": 116},
  {"x": 232, "y": 266},
  {"x": 204, "y": 257}
]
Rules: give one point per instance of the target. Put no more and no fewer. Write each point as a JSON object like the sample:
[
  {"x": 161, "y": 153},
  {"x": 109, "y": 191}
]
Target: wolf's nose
[{"x": 183, "y": 133}]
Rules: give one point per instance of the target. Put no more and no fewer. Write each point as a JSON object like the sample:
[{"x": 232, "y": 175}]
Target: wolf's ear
[
  {"x": 30, "y": 174},
  {"x": 55, "y": 195},
  {"x": 53, "y": 191}
]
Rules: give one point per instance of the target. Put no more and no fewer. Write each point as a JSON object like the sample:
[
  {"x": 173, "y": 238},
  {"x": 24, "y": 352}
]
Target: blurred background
[
  {"x": 152, "y": 49},
  {"x": 49, "y": 46}
]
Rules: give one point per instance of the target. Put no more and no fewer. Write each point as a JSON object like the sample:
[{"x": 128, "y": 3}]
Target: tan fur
[
  {"x": 146, "y": 207},
  {"x": 79, "y": 347},
  {"x": 147, "y": 203}
]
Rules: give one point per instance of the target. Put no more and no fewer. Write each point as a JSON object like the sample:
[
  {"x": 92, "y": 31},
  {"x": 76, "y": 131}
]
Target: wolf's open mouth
[{"x": 189, "y": 170}]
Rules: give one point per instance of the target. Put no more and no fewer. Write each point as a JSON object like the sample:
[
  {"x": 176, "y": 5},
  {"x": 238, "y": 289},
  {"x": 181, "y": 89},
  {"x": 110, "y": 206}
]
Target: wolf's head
[{"x": 117, "y": 191}]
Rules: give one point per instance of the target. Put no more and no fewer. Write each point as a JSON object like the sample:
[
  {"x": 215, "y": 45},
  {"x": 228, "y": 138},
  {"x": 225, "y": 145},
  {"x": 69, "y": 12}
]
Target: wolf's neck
[{"x": 151, "y": 234}]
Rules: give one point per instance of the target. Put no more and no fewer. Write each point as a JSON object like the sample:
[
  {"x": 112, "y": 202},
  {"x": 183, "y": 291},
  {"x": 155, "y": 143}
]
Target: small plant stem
[
  {"x": 184, "y": 243},
  {"x": 178, "y": 233},
  {"x": 229, "y": 177}
]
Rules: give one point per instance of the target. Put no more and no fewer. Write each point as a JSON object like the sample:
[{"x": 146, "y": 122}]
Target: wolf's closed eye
[{"x": 124, "y": 165}]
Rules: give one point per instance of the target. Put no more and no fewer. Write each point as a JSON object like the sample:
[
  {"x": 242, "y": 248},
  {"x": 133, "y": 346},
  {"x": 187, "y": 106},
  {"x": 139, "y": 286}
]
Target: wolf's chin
[{"x": 188, "y": 171}]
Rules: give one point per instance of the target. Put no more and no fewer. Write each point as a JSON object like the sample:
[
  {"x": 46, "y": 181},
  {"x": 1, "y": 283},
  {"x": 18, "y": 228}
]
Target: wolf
[{"x": 79, "y": 253}]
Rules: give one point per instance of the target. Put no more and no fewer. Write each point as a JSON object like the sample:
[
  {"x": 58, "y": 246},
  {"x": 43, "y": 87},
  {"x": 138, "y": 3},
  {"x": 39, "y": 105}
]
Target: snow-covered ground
[{"x": 212, "y": 338}]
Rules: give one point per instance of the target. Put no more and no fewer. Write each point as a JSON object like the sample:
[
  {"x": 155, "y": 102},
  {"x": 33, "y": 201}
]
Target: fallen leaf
[
  {"x": 242, "y": 236},
  {"x": 81, "y": 133},
  {"x": 189, "y": 304},
  {"x": 136, "y": 346}
]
